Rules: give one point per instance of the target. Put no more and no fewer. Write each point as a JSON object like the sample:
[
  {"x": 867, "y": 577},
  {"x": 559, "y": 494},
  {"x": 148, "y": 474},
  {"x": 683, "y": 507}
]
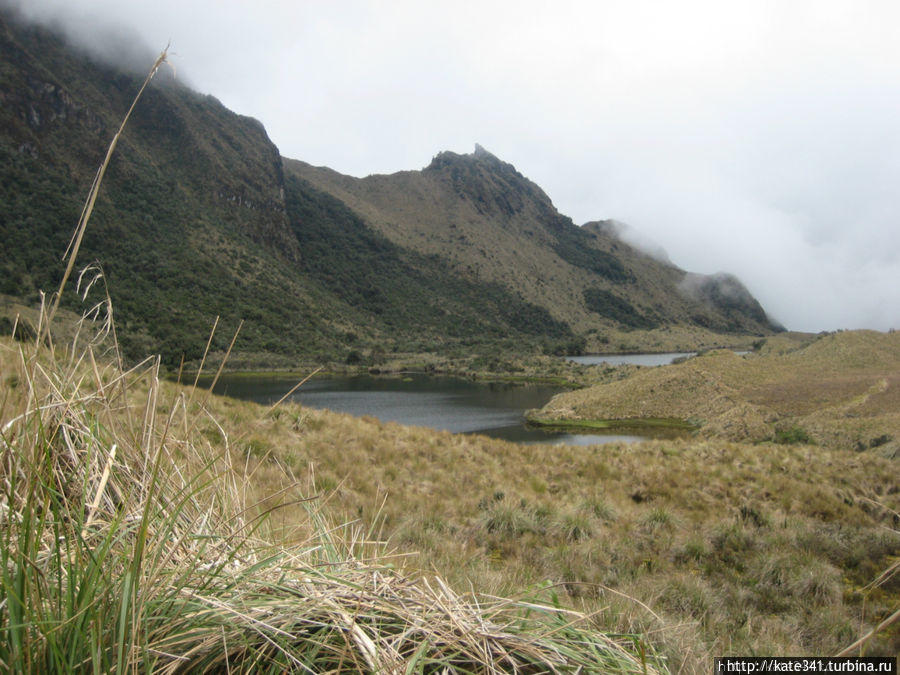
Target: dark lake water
[{"x": 452, "y": 404}]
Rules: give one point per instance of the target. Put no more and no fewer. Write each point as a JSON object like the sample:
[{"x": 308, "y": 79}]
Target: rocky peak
[{"x": 495, "y": 187}]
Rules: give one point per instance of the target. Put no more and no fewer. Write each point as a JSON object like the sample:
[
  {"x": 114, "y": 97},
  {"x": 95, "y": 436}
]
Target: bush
[{"x": 791, "y": 436}]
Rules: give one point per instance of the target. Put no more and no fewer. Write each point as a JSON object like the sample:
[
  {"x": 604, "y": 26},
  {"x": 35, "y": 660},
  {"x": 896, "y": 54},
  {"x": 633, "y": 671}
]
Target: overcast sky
[{"x": 759, "y": 138}]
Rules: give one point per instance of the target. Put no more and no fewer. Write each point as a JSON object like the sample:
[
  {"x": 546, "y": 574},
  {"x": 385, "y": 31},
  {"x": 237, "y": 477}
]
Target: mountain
[
  {"x": 200, "y": 216},
  {"x": 490, "y": 223}
]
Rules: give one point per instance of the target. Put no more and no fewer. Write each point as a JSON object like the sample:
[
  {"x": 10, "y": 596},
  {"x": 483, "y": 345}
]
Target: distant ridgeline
[{"x": 200, "y": 216}]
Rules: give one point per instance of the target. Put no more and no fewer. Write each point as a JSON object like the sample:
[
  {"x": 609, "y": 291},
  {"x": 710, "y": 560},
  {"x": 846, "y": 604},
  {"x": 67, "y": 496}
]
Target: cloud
[
  {"x": 116, "y": 44},
  {"x": 759, "y": 138}
]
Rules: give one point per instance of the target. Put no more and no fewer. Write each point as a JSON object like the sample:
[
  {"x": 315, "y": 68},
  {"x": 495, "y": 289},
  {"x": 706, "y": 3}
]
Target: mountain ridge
[
  {"x": 200, "y": 216},
  {"x": 441, "y": 211}
]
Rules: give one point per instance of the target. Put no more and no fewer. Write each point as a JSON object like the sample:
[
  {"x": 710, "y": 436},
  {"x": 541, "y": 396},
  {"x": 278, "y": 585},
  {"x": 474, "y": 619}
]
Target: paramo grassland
[
  {"x": 131, "y": 541},
  {"x": 146, "y": 526},
  {"x": 695, "y": 548},
  {"x": 838, "y": 390},
  {"x": 704, "y": 546}
]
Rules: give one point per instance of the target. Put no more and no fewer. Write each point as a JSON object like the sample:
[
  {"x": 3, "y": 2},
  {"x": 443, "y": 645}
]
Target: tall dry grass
[{"x": 128, "y": 544}]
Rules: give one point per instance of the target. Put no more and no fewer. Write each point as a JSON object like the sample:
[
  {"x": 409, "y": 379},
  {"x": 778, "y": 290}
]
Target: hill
[
  {"x": 202, "y": 217},
  {"x": 839, "y": 390}
]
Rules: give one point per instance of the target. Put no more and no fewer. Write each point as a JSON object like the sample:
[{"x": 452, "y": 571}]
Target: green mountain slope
[
  {"x": 404, "y": 289},
  {"x": 490, "y": 223},
  {"x": 200, "y": 216},
  {"x": 190, "y": 223}
]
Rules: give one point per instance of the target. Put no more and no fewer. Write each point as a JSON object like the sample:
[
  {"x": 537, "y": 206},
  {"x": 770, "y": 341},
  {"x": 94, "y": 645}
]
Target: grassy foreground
[
  {"x": 707, "y": 547},
  {"x": 151, "y": 526},
  {"x": 131, "y": 537}
]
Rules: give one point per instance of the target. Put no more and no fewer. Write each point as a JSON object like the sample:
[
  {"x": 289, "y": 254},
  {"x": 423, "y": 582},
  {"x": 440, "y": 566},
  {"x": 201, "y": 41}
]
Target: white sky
[{"x": 759, "y": 138}]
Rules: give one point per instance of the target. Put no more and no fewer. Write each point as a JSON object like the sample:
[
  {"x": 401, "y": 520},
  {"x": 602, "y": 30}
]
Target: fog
[{"x": 757, "y": 138}]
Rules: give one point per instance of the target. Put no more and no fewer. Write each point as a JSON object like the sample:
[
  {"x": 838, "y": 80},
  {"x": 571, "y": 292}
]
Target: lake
[
  {"x": 634, "y": 359},
  {"x": 453, "y": 404},
  {"x": 663, "y": 359}
]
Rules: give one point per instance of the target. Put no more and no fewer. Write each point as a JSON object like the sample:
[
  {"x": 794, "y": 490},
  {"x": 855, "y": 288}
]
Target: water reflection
[{"x": 461, "y": 406}]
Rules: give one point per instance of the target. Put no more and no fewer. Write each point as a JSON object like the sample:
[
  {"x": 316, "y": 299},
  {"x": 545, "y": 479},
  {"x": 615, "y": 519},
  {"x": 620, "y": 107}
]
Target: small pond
[{"x": 662, "y": 359}]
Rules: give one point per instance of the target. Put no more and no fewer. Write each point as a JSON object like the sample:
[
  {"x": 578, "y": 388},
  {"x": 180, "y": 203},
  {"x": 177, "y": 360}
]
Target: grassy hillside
[
  {"x": 708, "y": 546},
  {"x": 787, "y": 549},
  {"x": 136, "y": 537},
  {"x": 405, "y": 291},
  {"x": 837, "y": 390}
]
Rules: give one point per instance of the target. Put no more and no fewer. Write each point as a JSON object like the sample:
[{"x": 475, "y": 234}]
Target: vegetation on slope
[
  {"x": 194, "y": 224},
  {"x": 488, "y": 222},
  {"x": 189, "y": 225},
  {"x": 605, "y": 303},
  {"x": 711, "y": 547},
  {"x": 198, "y": 220},
  {"x": 838, "y": 390},
  {"x": 410, "y": 293}
]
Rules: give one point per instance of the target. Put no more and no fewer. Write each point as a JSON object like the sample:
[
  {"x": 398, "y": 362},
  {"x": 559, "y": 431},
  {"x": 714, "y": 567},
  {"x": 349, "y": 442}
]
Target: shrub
[
  {"x": 574, "y": 526},
  {"x": 508, "y": 520},
  {"x": 791, "y": 436}
]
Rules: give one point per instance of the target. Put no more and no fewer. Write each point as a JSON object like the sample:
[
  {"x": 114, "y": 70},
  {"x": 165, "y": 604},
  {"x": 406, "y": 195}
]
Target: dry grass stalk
[{"x": 75, "y": 243}]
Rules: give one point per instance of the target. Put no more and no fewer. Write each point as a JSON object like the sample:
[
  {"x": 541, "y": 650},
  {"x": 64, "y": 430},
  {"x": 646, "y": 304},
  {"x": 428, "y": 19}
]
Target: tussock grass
[
  {"x": 734, "y": 548},
  {"x": 131, "y": 542},
  {"x": 128, "y": 542}
]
